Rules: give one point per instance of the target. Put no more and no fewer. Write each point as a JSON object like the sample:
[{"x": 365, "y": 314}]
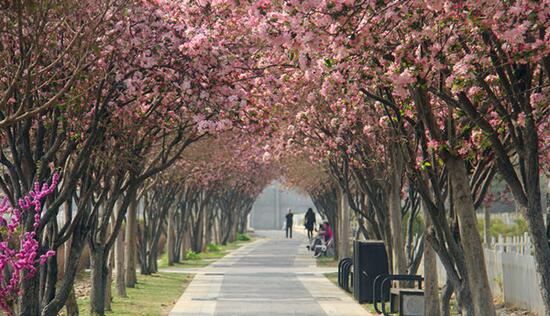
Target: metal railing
[
  {"x": 382, "y": 281},
  {"x": 345, "y": 274}
]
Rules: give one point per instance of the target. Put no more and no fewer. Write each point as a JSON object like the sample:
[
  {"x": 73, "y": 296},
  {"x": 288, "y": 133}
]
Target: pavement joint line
[
  {"x": 251, "y": 299},
  {"x": 270, "y": 276}
]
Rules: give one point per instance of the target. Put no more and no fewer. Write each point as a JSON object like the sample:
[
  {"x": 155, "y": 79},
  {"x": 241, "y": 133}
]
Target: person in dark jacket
[
  {"x": 289, "y": 223},
  {"x": 309, "y": 222}
]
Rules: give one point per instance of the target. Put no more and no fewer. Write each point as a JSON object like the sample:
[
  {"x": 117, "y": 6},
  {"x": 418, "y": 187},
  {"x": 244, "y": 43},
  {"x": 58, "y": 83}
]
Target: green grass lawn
[
  {"x": 333, "y": 277},
  {"x": 327, "y": 262},
  {"x": 202, "y": 259},
  {"x": 154, "y": 295}
]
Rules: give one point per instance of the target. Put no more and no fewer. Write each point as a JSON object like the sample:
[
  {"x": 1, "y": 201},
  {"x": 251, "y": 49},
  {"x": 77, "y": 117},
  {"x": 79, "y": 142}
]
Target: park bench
[{"x": 405, "y": 301}]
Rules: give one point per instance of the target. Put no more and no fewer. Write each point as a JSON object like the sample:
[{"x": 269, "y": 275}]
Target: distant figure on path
[
  {"x": 289, "y": 223},
  {"x": 309, "y": 222}
]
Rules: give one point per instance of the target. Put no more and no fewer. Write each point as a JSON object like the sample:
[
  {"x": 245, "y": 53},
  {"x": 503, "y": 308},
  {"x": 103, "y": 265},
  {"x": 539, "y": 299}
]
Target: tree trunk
[
  {"x": 29, "y": 303},
  {"x": 446, "y": 299},
  {"x": 431, "y": 286},
  {"x": 66, "y": 286},
  {"x": 155, "y": 261},
  {"x": 110, "y": 267},
  {"x": 71, "y": 305},
  {"x": 51, "y": 277},
  {"x": 227, "y": 234},
  {"x": 131, "y": 244},
  {"x": 466, "y": 302},
  {"x": 185, "y": 243},
  {"x": 396, "y": 219},
  {"x": 109, "y": 281},
  {"x": 99, "y": 270},
  {"x": 335, "y": 223},
  {"x": 119, "y": 265},
  {"x": 470, "y": 239},
  {"x": 243, "y": 227},
  {"x": 176, "y": 249},
  {"x": 548, "y": 208},
  {"x": 151, "y": 259},
  {"x": 343, "y": 240},
  {"x": 202, "y": 237},
  {"x": 372, "y": 231},
  {"x": 216, "y": 231},
  {"x": 153, "y": 248},
  {"x": 208, "y": 229},
  {"x": 234, "y": 228},
  {"x": 534, "y": 212},
  {"x": 143, "y": 259},
  {"x": 198, "y": 233},
  {"x": 170, "y": 240},
  {"x": 541, "y": 249},
  {"x": 183, "y": 247}
]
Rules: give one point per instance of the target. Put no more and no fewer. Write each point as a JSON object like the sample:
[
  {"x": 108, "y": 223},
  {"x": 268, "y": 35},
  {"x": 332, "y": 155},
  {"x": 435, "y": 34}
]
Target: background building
[{"x": 271, "y": 206}]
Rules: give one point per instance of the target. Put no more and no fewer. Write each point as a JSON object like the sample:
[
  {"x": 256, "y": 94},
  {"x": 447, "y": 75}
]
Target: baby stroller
[{"x": 319, "y": 245}]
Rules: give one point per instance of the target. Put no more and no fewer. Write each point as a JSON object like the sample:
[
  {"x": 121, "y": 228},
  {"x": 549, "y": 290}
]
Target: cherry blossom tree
[{"x": 199, "y": 105}]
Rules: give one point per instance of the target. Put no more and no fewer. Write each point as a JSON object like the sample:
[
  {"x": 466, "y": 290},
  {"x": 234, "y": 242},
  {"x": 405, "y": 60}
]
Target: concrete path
[{"x": 271, "y": 276}]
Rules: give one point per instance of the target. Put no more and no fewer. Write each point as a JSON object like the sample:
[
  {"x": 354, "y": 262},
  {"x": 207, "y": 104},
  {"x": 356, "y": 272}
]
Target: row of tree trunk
[{"x": 449, "y": 215}]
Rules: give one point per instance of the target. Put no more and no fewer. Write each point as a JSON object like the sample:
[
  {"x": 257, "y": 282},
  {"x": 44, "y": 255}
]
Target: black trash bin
[{"x": 369, "y": 261}]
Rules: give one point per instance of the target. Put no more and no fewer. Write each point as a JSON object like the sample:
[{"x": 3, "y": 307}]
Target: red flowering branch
[{"x": 17, "y": 260}]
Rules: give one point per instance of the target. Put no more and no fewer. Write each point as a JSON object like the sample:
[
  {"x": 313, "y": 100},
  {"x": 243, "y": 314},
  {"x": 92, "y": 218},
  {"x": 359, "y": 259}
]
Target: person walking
[
  {"x": 309, "y": 222},
  {"x": 289, "y": 223}
]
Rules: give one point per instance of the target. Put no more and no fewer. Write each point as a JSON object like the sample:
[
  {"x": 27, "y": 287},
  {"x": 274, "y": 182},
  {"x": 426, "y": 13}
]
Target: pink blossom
[
  {"x": 337, "y": 77},
  {"x": 433, "y": 144},
  {"x": 516, "y": 35},
  {"x": 23, "y": 258},
  {"x": 473, "y": 91},
  {"x": 44, "y": 257},
  {"x": 401, "y": 82},
  {"x": 367, "y": 129},
  {"x": 325, "y": 88},
  {"x": 405, "y": 78},
  {"x": 536, "y": 99},
  {"x": 521, "y": 119},
  {"x": 383, "y": 122},
  {"x": 435, "y": 5}
]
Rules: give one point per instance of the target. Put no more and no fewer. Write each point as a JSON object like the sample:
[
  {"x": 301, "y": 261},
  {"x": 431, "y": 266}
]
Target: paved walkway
[{"x": 271, "y": 276}]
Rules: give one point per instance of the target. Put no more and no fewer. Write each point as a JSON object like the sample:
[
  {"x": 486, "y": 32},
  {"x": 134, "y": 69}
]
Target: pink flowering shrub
[{"x": 14, "y": 260}]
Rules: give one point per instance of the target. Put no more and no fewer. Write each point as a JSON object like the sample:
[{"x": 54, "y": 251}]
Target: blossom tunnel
[{"x": 135, "y": 132}]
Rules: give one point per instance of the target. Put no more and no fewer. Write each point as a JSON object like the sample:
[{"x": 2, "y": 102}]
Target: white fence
[
  {"x": 516, "y": 244},
  {"x": 514, "y": 278},
  {"x": 512, "y": 274}
]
